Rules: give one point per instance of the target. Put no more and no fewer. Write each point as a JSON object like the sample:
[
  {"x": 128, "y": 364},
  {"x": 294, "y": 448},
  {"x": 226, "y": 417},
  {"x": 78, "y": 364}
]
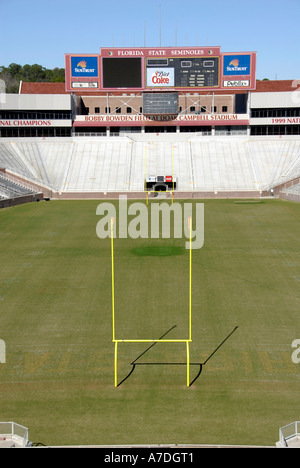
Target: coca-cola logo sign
[{"x": 160, "y": 77}]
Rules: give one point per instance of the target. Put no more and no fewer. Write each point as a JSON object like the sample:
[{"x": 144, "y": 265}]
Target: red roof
[
  {"x": 275, "y": 86},
  {"x": 42, "y": 88}
]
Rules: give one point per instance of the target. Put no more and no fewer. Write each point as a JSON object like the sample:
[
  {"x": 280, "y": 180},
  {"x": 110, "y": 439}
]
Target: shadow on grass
[{"x": 199, "y": 364}]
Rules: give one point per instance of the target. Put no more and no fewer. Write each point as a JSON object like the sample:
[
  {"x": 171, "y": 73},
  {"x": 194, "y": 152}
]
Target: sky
[{"x": 43, "y": 31}]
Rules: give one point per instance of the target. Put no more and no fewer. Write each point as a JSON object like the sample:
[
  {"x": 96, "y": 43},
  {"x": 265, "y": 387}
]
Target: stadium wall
[
  {"x": 142, "y": 195},
  {"x": 285, "y": 191},
  {"x": 9, "y": 202}
]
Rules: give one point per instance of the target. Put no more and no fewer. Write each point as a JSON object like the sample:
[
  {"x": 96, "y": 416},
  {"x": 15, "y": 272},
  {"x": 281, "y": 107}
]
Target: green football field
[{"x": 56, "y": 322}]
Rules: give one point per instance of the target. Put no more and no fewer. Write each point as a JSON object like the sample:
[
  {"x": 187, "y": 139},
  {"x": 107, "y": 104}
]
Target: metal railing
[
  {"x": 288, "y": 432},
  {"x": 14, "y": 430},
  {"x": 122, "y": 134}
]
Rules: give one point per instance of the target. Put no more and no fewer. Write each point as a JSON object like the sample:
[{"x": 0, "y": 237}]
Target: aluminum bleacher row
[
  {"x": 295, "y": 189},
  {"x": 11, "y": 189},
  {"x": 108, "y": 164}
]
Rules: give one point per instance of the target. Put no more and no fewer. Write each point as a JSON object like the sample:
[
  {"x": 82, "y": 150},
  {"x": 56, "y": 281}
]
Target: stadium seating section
[{"x": 117, "y": 164}]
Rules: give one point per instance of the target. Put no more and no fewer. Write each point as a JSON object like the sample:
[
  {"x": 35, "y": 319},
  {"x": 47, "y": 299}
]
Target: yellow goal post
[{"x": 187, "y": 341}]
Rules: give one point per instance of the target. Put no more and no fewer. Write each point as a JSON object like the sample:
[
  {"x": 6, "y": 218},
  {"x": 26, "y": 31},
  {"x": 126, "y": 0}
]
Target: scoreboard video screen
[
  {"x": 122, "y": 73},
  {"x": 165, "y": 69}
]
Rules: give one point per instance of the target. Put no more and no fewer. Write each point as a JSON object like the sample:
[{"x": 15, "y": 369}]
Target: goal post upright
[
  {"x": 173, "y": 172},
  {"x": 112, "y": 276},
  {"x": 190, "y": 278},
  {"x": 159, "y": 340},
  {"x": 190, "y": 305},
  {"x": 145, "y": 176}
]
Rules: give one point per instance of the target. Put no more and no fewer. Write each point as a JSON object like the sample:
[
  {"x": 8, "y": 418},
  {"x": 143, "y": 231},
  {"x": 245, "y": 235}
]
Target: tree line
[{"x": 14, "y": 73}]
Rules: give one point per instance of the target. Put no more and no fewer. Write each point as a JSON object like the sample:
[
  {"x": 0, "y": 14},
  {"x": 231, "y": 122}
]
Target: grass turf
[{"x": 55, "y": 299}]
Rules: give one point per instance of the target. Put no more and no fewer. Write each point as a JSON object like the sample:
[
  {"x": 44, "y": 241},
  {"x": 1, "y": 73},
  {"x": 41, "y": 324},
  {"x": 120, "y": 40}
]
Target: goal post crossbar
[
  {"x": 187, "y": 341},
  {"x": 152, "y": 341}
]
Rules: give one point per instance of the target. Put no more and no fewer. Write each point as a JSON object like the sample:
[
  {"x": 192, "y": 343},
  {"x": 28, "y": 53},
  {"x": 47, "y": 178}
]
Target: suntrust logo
[
  {"x": 237, "y": 64},
  {"x": 234, "y": 66},
  {"x": 81, "y": 64},
  {"x": 234, "y": 63},
  {"x": 81, "y": 68},
  {"x": 87, "y": 66}
]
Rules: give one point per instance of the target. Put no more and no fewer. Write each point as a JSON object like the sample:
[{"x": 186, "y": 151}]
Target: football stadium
[{"x": 150, "y": 234}]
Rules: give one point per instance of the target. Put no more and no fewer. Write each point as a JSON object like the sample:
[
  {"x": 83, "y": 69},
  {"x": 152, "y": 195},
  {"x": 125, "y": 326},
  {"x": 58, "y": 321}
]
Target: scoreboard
[
  {"x": 164, "y": 69},
  {"x": 160, "y": 103}
]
